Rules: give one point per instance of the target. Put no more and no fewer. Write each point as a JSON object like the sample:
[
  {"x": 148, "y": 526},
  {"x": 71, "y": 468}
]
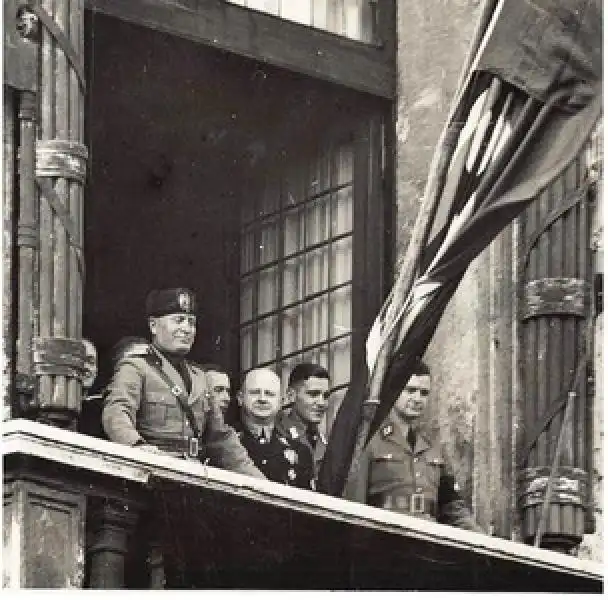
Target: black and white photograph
[{"x": 303, "y": 295}]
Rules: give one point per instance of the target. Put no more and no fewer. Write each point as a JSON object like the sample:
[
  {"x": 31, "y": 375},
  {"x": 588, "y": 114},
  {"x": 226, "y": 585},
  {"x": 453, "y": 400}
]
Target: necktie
[
  {"x": 311, "y": 435},
  {"x": 411, "y": 438}
]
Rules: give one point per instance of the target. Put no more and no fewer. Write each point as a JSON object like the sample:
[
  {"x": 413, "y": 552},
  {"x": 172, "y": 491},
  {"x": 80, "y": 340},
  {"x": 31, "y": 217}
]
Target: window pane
[
  {"x": 284, "y": 369},
  {"x": 268, "y": 237},
  {"x": 292, "y": 330},
  {"x": 339, "y": 360},
  {"x": 267, "y": 291},
  {"x": 316, "y": 270},
  {"x": 246, "y": 348},
  {"x": 293, "y": 284},
  {"x": 297, "y": 10},
  {"x": 267, "y": 339},
  {"x": 340, "y": 311},
  {"x": 319, "y": 13},
  {"x": 294, "y": 231},
  {"x": 247, "y": 290},
  {"x": 341, "y": 261},
  {"x": 317, "y": 221},
  {"x": 342, "y": 211},
  {"x": 352, "y": 18},
  {"x": 314, "y": 317}
]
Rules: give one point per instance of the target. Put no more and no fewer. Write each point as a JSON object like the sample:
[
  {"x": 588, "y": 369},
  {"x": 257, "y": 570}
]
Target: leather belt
[
  {"x": 188, "y": 447},
  {"x": 412, "y": 504}
]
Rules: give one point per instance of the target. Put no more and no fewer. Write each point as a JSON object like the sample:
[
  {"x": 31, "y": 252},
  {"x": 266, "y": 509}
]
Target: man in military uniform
[
  {"x": 219, "y": 385},
  {"x": 280, "y": 458},
  {"x": 308, "y": 394},
  {"x": 403, "y": 471},
  {"x": 159, "y": 402}
]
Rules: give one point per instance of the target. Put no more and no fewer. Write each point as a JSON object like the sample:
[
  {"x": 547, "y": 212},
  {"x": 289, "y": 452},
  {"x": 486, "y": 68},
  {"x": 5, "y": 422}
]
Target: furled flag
[{"x": 529, "y": 97}]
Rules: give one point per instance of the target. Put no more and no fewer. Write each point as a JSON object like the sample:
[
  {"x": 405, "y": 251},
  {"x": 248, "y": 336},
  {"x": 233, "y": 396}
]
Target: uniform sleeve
[
  {"x": 223, "y": 446},
  {"x": 122, "y": 399},
  {"x": 357, "y": 484},
  {"x": 451, "y": 505}
]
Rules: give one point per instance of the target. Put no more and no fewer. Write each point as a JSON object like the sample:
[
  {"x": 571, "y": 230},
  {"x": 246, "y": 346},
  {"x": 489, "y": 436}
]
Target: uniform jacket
[
  {"x": 391, "y": 473},
  {"x": 281, "y": 458},
  {"x": 293, "y": 428},
  {"x": 139, "y": 404}
]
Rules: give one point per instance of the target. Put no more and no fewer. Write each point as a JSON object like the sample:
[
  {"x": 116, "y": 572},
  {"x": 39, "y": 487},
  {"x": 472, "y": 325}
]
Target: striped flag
[{"x": 529, "y": 97}]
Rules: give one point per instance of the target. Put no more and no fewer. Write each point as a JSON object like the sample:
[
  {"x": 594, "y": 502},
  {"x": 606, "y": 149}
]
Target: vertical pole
[
  {"x": 8, "y": 216},
  {"x": 27, "y": 243},
  {"x": 61, "y": 138}
]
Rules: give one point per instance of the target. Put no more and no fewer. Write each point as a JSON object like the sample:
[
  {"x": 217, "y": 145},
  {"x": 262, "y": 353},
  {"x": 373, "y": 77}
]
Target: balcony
[{"x": 74, "y": 507}]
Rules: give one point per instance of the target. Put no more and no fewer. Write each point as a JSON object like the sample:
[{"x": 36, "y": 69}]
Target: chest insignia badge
[
  {"x": 184, "y": 302},
  {"x": 291, "y": 474},
  {"x": 291, "y": 456},
  {"x": 387, "y": 430},
  {"x": 293, "y": 432}
]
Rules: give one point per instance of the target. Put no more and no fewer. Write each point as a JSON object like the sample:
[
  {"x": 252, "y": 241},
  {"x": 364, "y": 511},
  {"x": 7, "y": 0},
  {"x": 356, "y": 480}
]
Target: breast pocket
[
  {"x": 158, "y": 408},
  {"x": 388, "y": 469},
  {"x": 432, "y": 470}
]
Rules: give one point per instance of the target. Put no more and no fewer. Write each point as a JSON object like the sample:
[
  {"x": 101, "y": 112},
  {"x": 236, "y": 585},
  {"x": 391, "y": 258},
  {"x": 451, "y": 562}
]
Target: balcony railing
[{"x": 75, "y": 504}]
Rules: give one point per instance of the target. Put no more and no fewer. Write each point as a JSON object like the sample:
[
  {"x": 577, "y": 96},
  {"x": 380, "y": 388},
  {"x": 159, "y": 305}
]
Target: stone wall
[{"x": 474, "y": 350}]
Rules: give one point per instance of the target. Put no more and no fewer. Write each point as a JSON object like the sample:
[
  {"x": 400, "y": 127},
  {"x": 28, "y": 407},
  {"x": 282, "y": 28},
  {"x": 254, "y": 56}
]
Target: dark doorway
[{"x": 181, "y": 136}]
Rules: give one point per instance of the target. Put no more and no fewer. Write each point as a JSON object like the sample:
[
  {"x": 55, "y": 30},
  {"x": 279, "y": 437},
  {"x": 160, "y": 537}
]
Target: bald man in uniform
[{"x": 279, "y": 457}]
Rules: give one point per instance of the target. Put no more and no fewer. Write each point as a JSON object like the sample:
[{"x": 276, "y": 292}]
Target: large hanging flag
[{"x": 529, "y": 97}]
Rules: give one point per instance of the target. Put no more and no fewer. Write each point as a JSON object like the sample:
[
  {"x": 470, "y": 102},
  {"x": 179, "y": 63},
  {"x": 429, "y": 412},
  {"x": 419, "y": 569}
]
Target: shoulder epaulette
[{"x": 142, "y": 350}]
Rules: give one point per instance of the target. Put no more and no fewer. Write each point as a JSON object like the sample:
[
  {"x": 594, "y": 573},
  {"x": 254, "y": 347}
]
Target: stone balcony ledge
[{"x": 73, "y": 451}]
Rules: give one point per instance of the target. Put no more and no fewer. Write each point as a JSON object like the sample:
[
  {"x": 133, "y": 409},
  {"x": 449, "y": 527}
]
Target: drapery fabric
[{"x": 529, "y": 98}]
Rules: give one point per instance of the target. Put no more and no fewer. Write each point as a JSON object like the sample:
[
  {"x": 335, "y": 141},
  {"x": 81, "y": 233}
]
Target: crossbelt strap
[{"x": 181, "y": 396}]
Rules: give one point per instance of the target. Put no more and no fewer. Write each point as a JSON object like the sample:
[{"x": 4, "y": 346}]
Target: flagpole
[{"x": 420, "y": 234}]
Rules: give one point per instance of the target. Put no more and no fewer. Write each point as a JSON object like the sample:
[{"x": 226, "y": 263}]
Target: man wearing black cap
[{"x": 158, "y": 401}]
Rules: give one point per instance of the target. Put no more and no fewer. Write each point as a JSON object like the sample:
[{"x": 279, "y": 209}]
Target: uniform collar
[
  {"x": 172, "y": 373},
  {"x": 256, "y": 430},
  {"x": 393, "y": 431},
  {"x": 295, "y": 427}
]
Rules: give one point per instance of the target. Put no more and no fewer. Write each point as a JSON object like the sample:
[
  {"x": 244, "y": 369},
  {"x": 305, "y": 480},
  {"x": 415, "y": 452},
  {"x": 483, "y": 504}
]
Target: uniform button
[
  {"x": 264, "y": 461},
  {"x": 417, "y": 474},
  {"x": 416, "y": 459}
]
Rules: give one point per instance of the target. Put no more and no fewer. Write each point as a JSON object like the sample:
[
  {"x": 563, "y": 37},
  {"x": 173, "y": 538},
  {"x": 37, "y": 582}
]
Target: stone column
[
  {"x": 111, "y": 523},
  {"x": 43, "y": 534}
]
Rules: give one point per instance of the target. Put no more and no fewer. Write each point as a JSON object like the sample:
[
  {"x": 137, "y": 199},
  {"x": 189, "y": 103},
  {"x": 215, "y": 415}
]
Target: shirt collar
[{"x": 257, "y": 430}]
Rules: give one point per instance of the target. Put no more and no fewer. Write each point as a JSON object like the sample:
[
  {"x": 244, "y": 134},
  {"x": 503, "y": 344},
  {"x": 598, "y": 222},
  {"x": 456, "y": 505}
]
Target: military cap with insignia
[{"x": 170, "y": 301}]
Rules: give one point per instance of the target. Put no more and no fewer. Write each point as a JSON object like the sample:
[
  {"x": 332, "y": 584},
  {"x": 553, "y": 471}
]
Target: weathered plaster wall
[
  {"x": 433, "y": 38},
  {"x": 473, "y": 353}
]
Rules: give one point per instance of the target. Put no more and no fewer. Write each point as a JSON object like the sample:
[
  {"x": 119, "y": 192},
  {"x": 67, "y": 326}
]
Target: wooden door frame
[{"x": 364, "y": 67}]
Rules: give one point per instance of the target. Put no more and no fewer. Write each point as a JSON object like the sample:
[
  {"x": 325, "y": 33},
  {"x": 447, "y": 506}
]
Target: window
[
  {"x": 296, "y": 269},
  {"x": 349, "y": 18}
]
